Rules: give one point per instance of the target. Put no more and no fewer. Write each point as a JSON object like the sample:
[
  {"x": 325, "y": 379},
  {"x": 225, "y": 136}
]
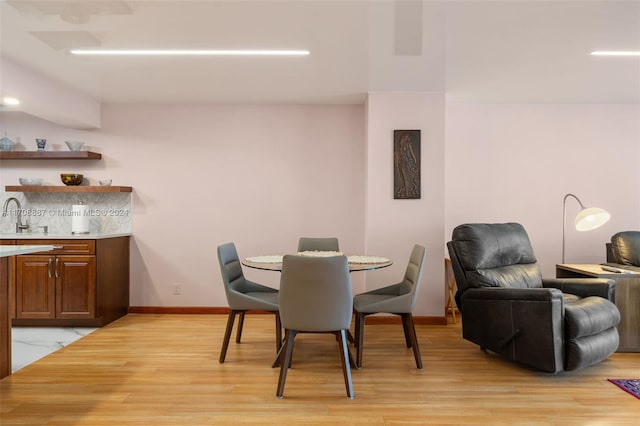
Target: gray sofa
[{"x": 507, "y": 307}]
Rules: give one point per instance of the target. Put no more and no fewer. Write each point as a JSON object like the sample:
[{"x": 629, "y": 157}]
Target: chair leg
[
  {"x": 414, "y": 339},
  {"x": 289, "y": 335},
  {"x": 352, "y": 360},
  {"x": 359, "y": 337},
  {"x": 350, "y": 337},
  {"x": 355, "y": 329},
  {"x": 278, "y": 360},
  {"x": 405, "y": 328},
  {"x": 280, "y": 354},
  {"x": 227, "y": 335},
  {"x": 345, "y": 360},
  {"x": 240, "y": 325},
  {"x": 279, "y": 342},
  {"x": 278, "y": 332}
]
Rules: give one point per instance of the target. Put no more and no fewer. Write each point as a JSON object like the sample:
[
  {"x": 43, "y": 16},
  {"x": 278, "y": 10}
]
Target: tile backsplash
[{"x": 108, "y": 212}]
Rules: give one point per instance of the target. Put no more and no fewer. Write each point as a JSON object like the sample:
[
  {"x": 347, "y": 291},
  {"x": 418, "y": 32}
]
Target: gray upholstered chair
[
  {"x": 315, "y": 297},
  {"x": 397, "y": 299},
  {"x": 318, "y": 244},
  {"x": 507, "y": 307},
  {"x": 243, "y": 296}
]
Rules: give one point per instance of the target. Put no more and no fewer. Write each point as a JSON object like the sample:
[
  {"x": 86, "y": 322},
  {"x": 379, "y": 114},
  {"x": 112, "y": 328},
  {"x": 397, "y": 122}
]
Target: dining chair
[
  {"x": 315, "y": 297},
  {"x": 243, "y": 296},
  {"x": 318, "y": 244},
  {"x": 398, "y": 299}
]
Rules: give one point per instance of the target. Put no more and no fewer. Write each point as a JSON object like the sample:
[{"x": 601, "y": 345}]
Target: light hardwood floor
[{"x": 163, "y": 370}]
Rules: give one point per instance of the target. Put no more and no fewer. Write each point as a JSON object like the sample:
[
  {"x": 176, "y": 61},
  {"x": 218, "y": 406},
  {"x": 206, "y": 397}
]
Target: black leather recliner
[
  {"x": 507, "y": 307},
  {"x": 625, "y": 250}
]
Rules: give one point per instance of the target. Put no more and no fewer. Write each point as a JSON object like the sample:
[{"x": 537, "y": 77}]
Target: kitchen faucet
[{"x": 19, "y": 225}]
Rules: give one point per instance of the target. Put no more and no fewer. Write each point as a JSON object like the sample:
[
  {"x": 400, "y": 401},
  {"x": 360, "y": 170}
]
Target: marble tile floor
[{"x": 29, "y": 344}]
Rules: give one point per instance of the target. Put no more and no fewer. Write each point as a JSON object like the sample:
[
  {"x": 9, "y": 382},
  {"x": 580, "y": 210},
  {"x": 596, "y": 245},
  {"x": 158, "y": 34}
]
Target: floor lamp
[{"x": 587, "y": 219}]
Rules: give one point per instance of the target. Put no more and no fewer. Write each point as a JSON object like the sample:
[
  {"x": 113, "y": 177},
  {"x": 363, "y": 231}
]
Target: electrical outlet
[{"x": 177, "y": 289}]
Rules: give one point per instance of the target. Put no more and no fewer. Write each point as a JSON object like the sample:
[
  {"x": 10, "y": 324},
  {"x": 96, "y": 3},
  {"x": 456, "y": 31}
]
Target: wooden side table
[
  {"x": 450, "y": 283},
  {"x": 627, "y": 299}
]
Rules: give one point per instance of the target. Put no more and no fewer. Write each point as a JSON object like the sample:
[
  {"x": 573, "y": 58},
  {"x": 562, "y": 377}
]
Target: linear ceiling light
[
  {"x": 143, "y": 52},
  {"x": 616, "y": 53}
]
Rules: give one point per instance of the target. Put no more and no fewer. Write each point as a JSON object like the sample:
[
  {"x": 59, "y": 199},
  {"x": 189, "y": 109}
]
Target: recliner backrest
[
  {"x": 625, "y": 247},
  {"x": 494, "y": 255}
]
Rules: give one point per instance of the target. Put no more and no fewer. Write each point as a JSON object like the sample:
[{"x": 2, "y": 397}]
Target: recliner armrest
[
  {"x": 504, "y": 293},
  {"x": 583, "y": 287}
]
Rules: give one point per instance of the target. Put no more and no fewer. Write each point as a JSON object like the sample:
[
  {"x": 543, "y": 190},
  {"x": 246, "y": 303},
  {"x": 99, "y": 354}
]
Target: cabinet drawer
[{"x": 66, "y": 246}]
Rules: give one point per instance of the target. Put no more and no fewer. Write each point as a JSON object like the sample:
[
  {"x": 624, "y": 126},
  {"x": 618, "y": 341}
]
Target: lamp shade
[
  {"x": 591, "y": 218},
  {"x": 587, "y": 219}
]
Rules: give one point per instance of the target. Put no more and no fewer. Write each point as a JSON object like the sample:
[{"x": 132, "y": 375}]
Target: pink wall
[
  {"x": 516, "y": 163},
  {"x": 260, "y": 176},
  {"x": 394, "y": 226}
]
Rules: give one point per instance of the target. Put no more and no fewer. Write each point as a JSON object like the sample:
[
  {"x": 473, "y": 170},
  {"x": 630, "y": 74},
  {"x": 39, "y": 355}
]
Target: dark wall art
[{"x": 406, "y": 164}]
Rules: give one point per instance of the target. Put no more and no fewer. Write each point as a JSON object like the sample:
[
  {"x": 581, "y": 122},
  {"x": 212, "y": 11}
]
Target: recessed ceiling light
[
  {"x": 616, "y": 53},
  {"x": 8, "y": 100},
  {"x": 143, "y": 52}
]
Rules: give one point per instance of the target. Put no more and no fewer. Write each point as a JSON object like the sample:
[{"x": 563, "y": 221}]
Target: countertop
[
  {"x": 61, "y": 236},
  {"x": 24, "y": 249}
]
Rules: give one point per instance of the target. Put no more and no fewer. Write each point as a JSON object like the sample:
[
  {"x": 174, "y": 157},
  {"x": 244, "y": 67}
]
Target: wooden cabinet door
[
  {"x": 5, "y": 319},
  {"x": 35, "y": 287},
  {"x": 76, "y": 286}
]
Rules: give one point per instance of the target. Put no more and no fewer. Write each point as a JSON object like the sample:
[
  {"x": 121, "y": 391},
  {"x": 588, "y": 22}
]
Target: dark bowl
[{"x": 71, "y": 178}]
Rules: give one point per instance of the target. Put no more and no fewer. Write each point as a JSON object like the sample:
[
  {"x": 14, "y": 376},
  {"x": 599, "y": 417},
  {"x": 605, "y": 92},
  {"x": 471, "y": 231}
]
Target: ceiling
[{"x": 479, "y": 51}]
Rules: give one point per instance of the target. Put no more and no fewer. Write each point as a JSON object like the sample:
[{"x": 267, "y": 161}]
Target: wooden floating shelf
[
  {"x": 50, "y": 155},
  {"x": 20, "y": 188}
]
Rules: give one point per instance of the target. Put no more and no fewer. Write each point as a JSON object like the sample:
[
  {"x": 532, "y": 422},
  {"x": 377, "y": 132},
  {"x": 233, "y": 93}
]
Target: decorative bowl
[
  {"x": 28, "y": 181},
  {"x": 71, "y": 178},
  {"x": 105, "y": 182},
  {"x": 74, "y": 145},
  {"x": 6, "y": 144}
]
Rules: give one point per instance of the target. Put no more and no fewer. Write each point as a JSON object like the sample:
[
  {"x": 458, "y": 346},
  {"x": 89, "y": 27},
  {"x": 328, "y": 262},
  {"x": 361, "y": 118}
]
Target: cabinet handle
[
  {"x": 57, "y": 267},
  {"x": 49, "y": 268}
]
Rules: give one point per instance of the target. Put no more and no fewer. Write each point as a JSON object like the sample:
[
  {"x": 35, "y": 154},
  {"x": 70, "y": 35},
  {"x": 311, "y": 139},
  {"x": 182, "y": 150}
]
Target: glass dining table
[{"x": 356, "y": 262}]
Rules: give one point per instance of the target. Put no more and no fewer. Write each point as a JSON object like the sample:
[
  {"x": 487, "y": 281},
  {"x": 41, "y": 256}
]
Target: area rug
[{"x": 631, "y": 386}]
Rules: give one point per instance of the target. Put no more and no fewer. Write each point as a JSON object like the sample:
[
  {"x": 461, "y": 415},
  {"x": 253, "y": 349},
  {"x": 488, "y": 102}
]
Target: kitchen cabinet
[
  {"x": 5, "y": 318},
  {"x": 79, "y": 283},
  {"x": 55, "y": 286}
]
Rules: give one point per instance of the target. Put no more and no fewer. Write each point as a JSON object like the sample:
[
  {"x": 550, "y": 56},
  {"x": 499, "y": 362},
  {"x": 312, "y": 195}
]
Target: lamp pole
[{"x": 564, "y": 218}]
